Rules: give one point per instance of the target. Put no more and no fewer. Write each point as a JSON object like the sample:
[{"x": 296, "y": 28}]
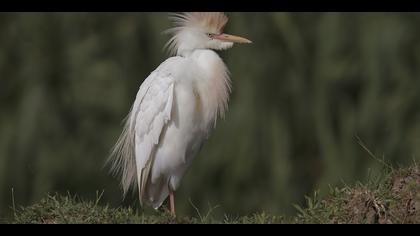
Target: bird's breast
[{"x": 193, "y": 108}]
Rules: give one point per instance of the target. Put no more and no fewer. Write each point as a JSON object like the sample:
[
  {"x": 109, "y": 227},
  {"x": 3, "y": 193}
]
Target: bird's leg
[{"x": 172, "y": 202}]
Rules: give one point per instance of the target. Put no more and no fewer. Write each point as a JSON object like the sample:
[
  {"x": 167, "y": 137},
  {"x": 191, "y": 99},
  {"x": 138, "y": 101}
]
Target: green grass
[
  {"x": 58, "y": 209},
  {"x": 393, "y": 197}
]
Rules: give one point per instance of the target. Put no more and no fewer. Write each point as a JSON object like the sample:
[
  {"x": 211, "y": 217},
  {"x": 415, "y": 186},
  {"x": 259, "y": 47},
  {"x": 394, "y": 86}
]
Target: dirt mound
[{"x": 397, "y": 202}]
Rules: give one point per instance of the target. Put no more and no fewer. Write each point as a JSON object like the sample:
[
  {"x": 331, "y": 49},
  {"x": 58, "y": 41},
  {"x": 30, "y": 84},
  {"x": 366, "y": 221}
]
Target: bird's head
[{"x": 200, "y": 30}]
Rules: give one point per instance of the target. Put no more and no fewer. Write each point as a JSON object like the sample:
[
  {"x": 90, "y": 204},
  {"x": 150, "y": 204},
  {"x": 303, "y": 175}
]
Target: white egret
[{"x": 175, "y": 109}]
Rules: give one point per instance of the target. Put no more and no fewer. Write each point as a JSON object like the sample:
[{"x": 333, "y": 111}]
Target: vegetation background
[{"x": 309, "y": 86}]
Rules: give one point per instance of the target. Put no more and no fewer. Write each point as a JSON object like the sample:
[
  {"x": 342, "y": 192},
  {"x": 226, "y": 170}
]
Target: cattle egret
[{"x": 175, "y": 109}]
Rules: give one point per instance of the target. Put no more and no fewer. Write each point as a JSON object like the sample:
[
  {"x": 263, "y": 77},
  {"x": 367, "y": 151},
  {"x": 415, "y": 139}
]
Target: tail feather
[{"x": 122, "y": 158}]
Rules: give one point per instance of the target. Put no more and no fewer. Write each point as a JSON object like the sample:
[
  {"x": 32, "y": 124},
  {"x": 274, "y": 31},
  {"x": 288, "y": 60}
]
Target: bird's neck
[
  {"x": 213, "y": 81},
  {"x": 187, "y": 52}
]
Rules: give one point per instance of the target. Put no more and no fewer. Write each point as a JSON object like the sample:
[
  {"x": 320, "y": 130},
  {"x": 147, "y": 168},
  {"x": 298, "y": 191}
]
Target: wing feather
[
  {"x": 155, "y": 112},
  {"x": 133, "y": 154}
]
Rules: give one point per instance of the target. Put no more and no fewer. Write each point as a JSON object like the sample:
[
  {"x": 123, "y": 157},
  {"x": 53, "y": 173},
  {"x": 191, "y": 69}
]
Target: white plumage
[{"x": 175, "y": 109}]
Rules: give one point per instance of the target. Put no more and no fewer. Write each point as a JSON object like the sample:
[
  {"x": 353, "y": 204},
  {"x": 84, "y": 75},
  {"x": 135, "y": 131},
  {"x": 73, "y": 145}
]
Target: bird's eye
[{"x": 210, "y": 35}]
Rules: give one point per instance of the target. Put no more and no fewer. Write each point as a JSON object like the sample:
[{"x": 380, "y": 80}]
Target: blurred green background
[{"x": 302, "y": 92}]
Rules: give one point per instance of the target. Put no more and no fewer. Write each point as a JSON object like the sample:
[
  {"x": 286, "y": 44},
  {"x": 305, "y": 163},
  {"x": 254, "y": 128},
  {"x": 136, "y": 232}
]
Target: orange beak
[{"x": 231, "y": 38}]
